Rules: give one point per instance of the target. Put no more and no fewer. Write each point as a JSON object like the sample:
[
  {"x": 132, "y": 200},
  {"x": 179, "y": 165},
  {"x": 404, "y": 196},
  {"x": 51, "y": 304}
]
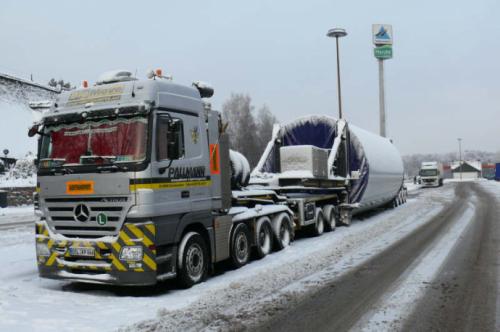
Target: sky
[{"x": 441, "y": 84}]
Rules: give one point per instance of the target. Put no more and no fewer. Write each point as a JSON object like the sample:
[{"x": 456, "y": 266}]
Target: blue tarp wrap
[{"x": 320, "y": 132}]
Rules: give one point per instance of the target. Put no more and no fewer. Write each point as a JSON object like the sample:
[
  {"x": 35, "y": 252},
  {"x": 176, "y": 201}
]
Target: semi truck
[
  {"x": 136, "y": 183},
  {"x": 431, "y": 174}
]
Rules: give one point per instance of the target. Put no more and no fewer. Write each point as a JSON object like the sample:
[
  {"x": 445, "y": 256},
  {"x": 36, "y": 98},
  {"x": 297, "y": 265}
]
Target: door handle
[{"x": 185, "y": 194}]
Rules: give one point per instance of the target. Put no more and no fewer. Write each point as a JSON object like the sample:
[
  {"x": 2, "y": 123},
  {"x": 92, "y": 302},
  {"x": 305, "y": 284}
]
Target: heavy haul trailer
[{"x": 135, "y": 186}]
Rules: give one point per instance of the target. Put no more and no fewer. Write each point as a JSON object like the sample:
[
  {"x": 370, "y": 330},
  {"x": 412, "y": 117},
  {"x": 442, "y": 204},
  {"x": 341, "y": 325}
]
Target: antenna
[{"x": 133, "y": 84}]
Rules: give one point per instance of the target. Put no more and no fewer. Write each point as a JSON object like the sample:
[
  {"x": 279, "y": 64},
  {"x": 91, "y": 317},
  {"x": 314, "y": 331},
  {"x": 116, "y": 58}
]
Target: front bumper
[{"x": 105, "y": 265}]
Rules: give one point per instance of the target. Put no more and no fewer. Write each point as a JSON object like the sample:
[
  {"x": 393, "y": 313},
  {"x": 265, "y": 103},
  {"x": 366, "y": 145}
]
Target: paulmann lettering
[{"x": 186, "y": 172}]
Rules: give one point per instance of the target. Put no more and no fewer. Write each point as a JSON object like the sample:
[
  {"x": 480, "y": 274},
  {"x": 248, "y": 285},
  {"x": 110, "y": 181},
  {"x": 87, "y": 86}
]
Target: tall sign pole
[
  {"x": 382, "y": 38},
  {"x": 381, "y": 96}
]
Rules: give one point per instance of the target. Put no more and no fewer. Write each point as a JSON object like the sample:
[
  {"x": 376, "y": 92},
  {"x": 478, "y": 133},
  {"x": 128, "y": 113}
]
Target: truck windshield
[
  {"x": 100, "y": 141},
  {"x": 428, "y": 172}
]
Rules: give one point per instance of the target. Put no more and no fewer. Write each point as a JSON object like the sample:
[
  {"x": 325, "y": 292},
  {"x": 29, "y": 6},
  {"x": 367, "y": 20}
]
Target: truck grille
[{"x": 78, "y": 216}]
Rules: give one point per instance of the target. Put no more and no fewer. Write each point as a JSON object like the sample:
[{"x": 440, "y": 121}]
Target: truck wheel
[
  {"x": 193, "y": 265},
  {"x": 330, "y": 217},
  {"x": 240, "y": 245},
  {"x": 282, "y": 231},
  {"x": 319, "y": 226},
  {"x": 264, "y": 238},
  {"x": 394, "y": 203}
]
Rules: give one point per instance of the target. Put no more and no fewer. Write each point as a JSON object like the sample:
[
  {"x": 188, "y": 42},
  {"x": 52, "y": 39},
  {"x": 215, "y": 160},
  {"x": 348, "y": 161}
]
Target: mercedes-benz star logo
[{"x": 82, "y": 213}]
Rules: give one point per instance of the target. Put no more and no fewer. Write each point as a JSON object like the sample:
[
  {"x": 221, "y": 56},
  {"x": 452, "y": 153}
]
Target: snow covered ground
[
  {"x": 28, "y": 303},
  {"x": 11, "y": 216},
  {"x": 11, "y": 182}
]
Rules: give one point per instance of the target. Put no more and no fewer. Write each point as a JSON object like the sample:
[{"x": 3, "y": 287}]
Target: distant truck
[
  {"x": 497, "y": 172},
  {"x": 431, "y": 174}
]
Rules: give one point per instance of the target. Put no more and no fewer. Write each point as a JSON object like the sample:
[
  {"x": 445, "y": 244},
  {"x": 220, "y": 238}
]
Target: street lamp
[
  {"x": 460, "y": 156},
  {"x": 338, "y": 33}
]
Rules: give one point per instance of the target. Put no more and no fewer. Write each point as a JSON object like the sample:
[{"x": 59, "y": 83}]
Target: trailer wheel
[
  {"x": 282, "y": 231},
  {"x": 330, "y": 217},
  {"x": 264, "y": 238},
  {"x": 319, "y": 225},
  {"x": 193, "y": 265},
  {"x": 240, "y": 245}
]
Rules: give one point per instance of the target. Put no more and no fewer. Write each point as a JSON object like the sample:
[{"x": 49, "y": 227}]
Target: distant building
[
  {"x": 467, "y": 170},
  {"x": 447, "y": 174},
  {"x": 488, "y": 170}
]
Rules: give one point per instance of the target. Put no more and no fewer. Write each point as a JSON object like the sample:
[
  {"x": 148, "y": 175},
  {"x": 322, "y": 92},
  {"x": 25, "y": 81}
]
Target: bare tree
[
  {"x": 248, "y": 135},
  {"x": 265, "y": 123}
]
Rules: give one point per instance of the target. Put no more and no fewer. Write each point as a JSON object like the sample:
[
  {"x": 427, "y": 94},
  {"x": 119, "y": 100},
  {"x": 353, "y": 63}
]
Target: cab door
[{"x": 172, "y": 165}]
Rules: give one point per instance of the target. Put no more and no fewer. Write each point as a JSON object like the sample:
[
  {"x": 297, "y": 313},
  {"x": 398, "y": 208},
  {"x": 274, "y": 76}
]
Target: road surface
[{"x": 461, "y": 297}]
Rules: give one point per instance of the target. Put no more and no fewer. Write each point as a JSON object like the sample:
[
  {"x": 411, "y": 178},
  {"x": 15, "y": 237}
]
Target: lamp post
[
  {"x": 460, "y": 156},
  {"x": 338, "y": 33}
]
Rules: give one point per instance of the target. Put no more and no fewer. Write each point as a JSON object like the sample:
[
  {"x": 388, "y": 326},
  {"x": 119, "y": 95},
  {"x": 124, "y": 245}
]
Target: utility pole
[
  {"x": 460, "y": 156},
  {"x": 382, "y": 38}
]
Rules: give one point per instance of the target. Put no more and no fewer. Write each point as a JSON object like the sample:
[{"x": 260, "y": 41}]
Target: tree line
[{"x": 249, "y": 129}]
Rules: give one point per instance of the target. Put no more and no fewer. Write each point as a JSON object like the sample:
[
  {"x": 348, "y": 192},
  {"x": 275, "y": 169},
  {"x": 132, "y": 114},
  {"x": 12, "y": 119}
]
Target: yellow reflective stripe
[
  {"x": 101, "y": 245},
  {"x": 116, "y": 246},
  {"x": 50, "y": 243},
  {"x": 149, "y": 262},
  {"x": 151, "y": 228},
  {"x": 117, "y": 263},
  {"x": 51, "y": 259},
  {"x": 170, "y": 185},
  {"x": 126, "y": 238},
  {"x": 137, "y": 232}
]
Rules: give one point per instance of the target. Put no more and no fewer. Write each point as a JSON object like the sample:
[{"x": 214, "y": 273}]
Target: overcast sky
[{"x": 442, "y": 83}]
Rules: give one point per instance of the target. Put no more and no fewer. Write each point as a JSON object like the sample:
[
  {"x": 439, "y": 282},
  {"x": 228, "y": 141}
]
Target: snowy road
[{"x": 380, "y": 273}]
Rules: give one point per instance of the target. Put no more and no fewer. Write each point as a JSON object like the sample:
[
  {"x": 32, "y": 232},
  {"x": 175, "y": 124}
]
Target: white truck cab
[{"x": 431, "y": 174}]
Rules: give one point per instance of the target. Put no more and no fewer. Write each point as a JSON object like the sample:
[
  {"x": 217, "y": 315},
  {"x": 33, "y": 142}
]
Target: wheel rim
[
  {"x": 194, "y": 262},
  {"x": 241, "y": 248},
  {"x": 320, "y": 225},
  {"x": 265, "y": 239},
  {"x": 284, "y": 235},
  {"x": 333, "y": 222}
]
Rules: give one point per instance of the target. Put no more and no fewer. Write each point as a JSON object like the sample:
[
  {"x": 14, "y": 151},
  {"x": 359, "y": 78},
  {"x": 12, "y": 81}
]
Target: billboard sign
[{"x": 382, "y": 34}]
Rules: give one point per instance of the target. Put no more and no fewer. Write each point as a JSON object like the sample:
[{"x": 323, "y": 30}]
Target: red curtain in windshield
[
  {"x": 69, "y": 143},
  {"x": 124, "y": 139}
]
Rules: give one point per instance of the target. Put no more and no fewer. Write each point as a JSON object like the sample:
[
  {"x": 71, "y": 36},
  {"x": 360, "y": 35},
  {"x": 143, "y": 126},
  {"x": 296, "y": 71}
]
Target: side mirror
[{"x": 33, "y": 130}]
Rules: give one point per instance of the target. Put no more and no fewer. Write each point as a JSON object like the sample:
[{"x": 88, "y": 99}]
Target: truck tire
[
  {"x": 330, "y": 217},
  {"x": 240, "y": 245},
  {"x": 282, "y": 231},
  {"x": 319, "y": 225},
  {"x": 263, "y": 237},
  {"x": 193, "y": 265}
]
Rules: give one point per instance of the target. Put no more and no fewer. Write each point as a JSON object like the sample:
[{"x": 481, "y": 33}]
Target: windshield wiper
[
  {"x": 112, "y": 167},
  {"x": 61, "y": 169}
]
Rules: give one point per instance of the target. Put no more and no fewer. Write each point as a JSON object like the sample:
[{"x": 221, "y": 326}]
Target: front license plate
[{"x": 79, "y": 251}]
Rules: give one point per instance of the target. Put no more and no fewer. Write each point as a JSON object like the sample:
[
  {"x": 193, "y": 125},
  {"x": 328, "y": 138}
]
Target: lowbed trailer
[{"x": 136, "y": 184}]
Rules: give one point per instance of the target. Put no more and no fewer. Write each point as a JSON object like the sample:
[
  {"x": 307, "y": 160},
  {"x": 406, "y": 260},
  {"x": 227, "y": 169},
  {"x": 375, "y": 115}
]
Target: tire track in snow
[{"x": 340, "y": 304}]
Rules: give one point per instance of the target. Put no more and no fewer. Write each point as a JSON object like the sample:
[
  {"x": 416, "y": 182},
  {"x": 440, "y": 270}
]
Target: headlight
[
  {"x": 42, "y": 249},
  {"x": 131, "y": 253}
]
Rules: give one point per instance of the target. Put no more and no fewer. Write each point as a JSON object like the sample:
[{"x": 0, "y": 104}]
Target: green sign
[
  {"x": 383, "y": 52},
  {"x": 102, "y": 219}
]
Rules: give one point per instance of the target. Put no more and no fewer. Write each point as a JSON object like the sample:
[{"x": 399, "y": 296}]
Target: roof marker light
[{"x": 85, "y": 84}]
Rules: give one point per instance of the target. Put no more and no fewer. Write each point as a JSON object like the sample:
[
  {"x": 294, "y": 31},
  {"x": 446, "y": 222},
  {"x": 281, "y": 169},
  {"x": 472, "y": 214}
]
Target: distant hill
[{"x": 16, "y": 116}]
